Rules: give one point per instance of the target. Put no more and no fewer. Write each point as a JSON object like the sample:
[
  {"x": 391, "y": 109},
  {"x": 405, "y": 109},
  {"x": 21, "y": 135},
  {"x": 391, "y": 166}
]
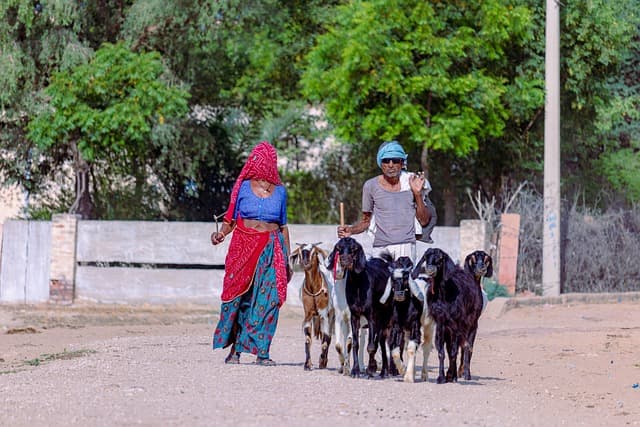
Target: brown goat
[{"x": 316, "y": 300}]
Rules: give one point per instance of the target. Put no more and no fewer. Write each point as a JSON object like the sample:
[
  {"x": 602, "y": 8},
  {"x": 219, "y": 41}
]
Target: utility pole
[{"x": 551, "y": 226}]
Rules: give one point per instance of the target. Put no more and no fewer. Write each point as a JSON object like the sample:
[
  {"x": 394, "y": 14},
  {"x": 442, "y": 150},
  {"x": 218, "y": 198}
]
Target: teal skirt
[{"x": 249, "y": 321}]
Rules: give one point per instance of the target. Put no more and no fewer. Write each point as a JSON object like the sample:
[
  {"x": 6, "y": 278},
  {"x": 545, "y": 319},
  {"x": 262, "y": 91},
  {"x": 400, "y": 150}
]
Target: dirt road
[{"x": 571, "y": 364}]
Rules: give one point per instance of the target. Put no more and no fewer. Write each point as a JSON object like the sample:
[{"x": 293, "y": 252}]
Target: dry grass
[{"x": 599, "y": 250}]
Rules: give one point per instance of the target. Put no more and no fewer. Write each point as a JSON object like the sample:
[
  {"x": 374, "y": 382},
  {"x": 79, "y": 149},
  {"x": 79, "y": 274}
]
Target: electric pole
[{"x": 551, "y": 226}]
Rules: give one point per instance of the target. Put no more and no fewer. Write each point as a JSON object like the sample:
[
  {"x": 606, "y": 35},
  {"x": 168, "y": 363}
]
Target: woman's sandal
[
  {"x": 232, "y": 359},
  {"x": 264, "y": 362}
]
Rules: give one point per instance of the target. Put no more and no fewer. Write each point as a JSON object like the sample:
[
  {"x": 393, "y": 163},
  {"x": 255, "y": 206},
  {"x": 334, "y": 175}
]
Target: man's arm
[
  {"x": 357, "y": 228},
  {"x": 422, "y": 213}
]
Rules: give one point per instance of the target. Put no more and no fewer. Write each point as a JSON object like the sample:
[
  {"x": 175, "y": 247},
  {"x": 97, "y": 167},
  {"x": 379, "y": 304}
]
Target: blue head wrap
[{"x": 391, "y": 150}]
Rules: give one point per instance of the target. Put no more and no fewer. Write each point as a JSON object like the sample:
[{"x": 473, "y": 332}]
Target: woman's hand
[{"x": 217, "y": 237}]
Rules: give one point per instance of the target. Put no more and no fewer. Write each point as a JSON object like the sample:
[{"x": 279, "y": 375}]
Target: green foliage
[
  {"x": 307, "y": 198},
  {"x": 109, "y": 109},
  {"x": 621, "y": 169},
  {"x": 109, "y": 105},
  {"x": 494, "y": 289},
  {"x": 433, "y": 74}
]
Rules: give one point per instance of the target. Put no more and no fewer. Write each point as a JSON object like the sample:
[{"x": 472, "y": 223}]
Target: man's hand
[
  {"x": 416, "y": 181},
  {"x": 343, "y": 231}
]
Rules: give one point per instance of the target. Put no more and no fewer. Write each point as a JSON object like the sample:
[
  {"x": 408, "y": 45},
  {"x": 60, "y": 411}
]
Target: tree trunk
[
  {"x": 83, "y": 204},
  {"x": 449, "y": 198}
]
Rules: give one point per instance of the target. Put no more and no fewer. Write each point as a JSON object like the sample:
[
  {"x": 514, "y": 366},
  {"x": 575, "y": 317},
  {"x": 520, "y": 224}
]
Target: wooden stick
[{"x": 341, "y": 213}]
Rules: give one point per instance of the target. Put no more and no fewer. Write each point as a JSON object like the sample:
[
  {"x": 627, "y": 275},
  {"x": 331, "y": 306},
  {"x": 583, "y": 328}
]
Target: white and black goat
[
  {"x": 410, "y": 320},
  {"x": 455, "y": 303},
  {"x": 316, "y": 300},
  {"x": 358, "y": 277}
]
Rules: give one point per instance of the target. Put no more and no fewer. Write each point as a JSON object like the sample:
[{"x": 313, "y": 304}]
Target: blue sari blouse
[{"x": 267, "y": 209}]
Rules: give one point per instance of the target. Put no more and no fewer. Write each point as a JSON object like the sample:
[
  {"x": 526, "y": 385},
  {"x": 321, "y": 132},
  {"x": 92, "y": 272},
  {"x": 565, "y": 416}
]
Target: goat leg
[
  {"x": 428, "y": 330},
  {"x": 467, "y": 352},
  {"x": 453, "y": 344},
  {"x": 355, "y": 344},
  {"x": 326, "y": 338},
  {"x": 440, "y": 350},
  {"x": 396, "y": 339},
  {"x": 372, "y": 348},
  {"x": 384, "y": 370},
  {"x": 307, "y": 344}
]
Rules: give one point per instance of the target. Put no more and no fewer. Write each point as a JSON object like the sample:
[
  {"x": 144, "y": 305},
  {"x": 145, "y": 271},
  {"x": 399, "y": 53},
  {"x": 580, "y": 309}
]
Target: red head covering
[{"x": 262, "y": 163}]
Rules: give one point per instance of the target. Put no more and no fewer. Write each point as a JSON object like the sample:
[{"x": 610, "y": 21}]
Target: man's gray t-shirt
[{"x": 394, "y": 212}]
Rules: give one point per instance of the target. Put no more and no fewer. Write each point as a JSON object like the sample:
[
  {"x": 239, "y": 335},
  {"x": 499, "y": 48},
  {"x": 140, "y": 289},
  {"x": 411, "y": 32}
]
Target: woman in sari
[{"x": 256, "y": 266}]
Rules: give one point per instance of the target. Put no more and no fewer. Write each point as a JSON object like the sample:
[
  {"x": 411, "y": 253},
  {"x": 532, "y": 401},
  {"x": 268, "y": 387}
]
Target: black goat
[
  {"x": 455, "y": 303},
  {"x": 479, "y": 264},
  {"x": 363, "y": 281},
  {"x": 407, "y": 318},
  {"x": 381, "y": 309}
]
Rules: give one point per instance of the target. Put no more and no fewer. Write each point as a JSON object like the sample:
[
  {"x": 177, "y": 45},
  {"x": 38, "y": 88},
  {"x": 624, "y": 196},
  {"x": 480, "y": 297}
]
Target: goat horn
[{"x": 387, "y": 292}]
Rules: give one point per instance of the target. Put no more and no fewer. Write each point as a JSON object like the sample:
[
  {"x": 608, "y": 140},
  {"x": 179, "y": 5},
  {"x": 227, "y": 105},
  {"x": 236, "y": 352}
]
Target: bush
[
  {"x": 598, "y": 250},
  {"x": 494, "y": 289}
]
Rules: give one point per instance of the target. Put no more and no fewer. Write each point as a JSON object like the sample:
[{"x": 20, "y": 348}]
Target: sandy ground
[{"x": 547, "y": 364}]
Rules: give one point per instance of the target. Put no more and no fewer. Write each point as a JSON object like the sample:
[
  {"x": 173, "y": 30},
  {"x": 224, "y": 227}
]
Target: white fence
[{"x": 133, "y": 262}]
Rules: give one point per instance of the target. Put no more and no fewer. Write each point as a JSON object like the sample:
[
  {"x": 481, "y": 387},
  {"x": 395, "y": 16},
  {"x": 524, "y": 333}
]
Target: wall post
[
  {"x": 508, "y": 247},
  {"x": 63, "y": 258},
  {"x": 473, "y": 237}
]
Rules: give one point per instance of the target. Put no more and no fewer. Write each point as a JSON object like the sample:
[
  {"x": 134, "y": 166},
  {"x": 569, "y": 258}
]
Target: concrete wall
[
  {"x": 24, "y": 266},
  {"x": 139, "y": 261}
]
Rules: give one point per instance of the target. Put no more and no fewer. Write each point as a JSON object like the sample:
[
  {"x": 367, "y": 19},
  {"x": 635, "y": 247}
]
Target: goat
[
  {"x": 455, "y": 303},
  {"x": 357, "y": 276},
  {"x": 410, "y": 316},
  {"x": 379, "y": 273},
  {"x": 479, "y": 264},
  {"x": 316, "y": 301}
]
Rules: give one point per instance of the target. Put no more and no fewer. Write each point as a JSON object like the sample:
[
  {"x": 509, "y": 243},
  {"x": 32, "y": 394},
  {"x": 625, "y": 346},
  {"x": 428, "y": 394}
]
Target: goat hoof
[
  {"x": 308, "y": 367},
  {"x": 440, "y": 380}
]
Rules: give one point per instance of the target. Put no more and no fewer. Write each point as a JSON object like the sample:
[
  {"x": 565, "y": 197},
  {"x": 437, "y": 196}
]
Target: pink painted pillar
[{"x": 508, "y": 251}]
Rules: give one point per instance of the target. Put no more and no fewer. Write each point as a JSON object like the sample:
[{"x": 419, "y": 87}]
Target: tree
[
  {"x": 241, "y": 60},
  {"x": 37, "y": 39},
  {"x": 106, "y": 111},
  {"x": 435, "y": 75},
  {"x": 619, "y": 126}
]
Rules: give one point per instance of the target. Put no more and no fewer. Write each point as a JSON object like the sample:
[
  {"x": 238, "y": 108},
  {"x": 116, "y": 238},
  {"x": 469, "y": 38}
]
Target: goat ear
[
  {"x": 361, "y": 262},
  {"x": 416, "y": 270},
  {"x": 321, "y": 251},
  {"x": 468, "y": 262},
  {"x": 489, "y": 262},
  {"x": 331, "y": 259},
  {"x": 449, "y": 266},
  {"x": 295, "y": 255}
]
